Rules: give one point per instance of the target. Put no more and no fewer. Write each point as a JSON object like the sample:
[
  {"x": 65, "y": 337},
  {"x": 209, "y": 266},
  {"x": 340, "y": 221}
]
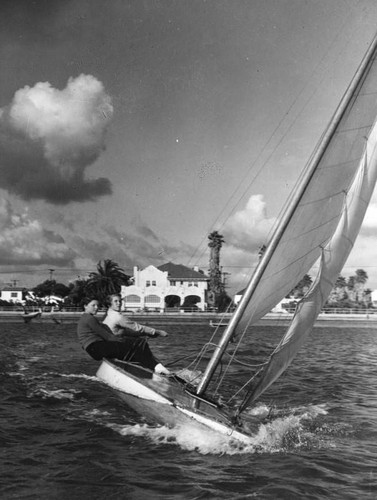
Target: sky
[{"x": 130, "y": 130}]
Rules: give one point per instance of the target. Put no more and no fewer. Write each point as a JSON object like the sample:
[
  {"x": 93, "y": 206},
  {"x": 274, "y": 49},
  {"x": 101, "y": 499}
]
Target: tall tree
[
  {"x": 339, "y": 293},
  {"x": 341, "y": 282},
  {"x": 108, "y": 279},
  {"x": 361, "y": 278},
  {"x": 351, "y": 288},
  {"x": 51, "y": 287},
  {"x": 77, "y": 292},
  {"x": 216, "y": 285},
  {"x": 302, "y": 286},
  {"x": 261, "y": 251}
]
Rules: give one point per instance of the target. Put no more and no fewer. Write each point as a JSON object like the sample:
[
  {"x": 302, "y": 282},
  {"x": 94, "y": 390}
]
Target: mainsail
[
  {"x": 333, "y": 258},
  {"x": 315, "y": 208}
]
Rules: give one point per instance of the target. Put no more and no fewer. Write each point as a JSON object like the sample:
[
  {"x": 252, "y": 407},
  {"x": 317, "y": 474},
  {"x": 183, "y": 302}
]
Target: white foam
[
  {"x": 79, "y": 376},
  {"x": 57, "y": 394},
  {"x": 278, "y": 435}
]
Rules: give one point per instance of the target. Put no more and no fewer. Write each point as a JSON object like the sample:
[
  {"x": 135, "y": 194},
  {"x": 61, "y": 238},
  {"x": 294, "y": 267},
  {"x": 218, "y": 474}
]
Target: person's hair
[
  {"x": 110, "y": 297},
  {"x": 86, "y": 300}
]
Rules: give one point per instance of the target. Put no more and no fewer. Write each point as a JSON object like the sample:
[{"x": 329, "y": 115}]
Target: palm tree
[
  {"x": 302, "y": 286},
  {"x": 339, "y": 291},
  {"x": 341, "y": 282},
  {"x": 108, "y": 279},
  {"x": 351, "y": 288},
  {"x": 216, "y": 286},
  {"x": 361, "y": 278}
]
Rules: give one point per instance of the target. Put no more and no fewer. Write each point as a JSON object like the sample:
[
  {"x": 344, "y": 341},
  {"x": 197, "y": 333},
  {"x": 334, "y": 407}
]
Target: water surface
[{"x": 66, "y": 435}]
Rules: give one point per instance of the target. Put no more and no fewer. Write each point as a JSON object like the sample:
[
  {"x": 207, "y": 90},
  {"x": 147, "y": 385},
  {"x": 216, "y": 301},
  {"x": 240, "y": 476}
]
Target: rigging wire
[
  {"x": 274, "y": 133},
  {"x": 304, "y": 171}
]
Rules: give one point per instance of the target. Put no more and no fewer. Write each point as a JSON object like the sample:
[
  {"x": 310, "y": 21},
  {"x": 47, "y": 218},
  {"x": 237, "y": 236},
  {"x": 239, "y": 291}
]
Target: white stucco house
[
  {"x": 13, "y": 294},
  {"x": 373, "y": 296},
  {"x": 170, "y": 286},
  {"x": 277, "y": 309}
]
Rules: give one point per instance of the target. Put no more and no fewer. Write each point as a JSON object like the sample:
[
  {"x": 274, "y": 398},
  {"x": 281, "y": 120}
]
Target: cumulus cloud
[
  {"x": 23, "y": 241},
  {"x": 369, "y": 226},
  {"x": 363, "y": 254},
  {"x": 48, "y": 137},
  {"x": 248, "y": 229},
  {"x": 244, "y": 233}
]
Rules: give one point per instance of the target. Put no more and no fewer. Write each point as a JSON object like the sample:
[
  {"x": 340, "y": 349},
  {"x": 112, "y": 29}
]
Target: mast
[{"x": 281, "y": 228}]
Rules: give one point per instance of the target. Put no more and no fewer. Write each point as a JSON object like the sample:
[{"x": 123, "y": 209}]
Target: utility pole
[{"x": 224, "y": 278}]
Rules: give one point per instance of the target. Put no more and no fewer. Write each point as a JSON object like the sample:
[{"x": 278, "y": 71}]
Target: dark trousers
[{"x": 130, "y": 349}]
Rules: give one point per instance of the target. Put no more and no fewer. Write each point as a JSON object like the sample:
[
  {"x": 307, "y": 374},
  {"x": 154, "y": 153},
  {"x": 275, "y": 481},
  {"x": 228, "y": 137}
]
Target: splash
[{"x": 282, "y": 434}]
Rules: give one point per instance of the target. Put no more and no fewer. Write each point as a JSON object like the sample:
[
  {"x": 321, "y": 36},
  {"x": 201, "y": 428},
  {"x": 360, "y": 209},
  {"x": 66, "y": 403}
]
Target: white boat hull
[{"x": 166, "y": 401}]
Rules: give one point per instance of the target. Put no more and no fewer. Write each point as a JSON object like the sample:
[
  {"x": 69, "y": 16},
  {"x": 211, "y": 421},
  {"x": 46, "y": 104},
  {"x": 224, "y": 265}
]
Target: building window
[
  {"x": 132, "y": 298},
  {"x": 148, "y": 283},
  {"x": 173, "y": 283},
  {"x": 153, "y": 283},
  {"x": 152, "y": 299},
  {"x": 14, "y": 294}
]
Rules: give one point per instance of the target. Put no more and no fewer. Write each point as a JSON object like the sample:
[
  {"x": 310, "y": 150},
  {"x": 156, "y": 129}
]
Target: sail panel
[
  {"x": 320, "y": 207},
  {"x": 333, "y": 259}
]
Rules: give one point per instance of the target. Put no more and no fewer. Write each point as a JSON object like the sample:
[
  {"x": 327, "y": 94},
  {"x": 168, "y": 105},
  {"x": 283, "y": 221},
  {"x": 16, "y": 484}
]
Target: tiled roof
[
  {"x": 13, "y": 289},
  {"x": 180, "y": 272}
]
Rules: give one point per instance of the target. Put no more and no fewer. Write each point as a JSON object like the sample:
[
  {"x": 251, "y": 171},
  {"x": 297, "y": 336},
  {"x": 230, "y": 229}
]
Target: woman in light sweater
[{"x": 120, "y": 324}]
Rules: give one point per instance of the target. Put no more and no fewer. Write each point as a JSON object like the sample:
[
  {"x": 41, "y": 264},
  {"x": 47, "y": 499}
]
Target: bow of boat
[{"x": 170, "y": 400}]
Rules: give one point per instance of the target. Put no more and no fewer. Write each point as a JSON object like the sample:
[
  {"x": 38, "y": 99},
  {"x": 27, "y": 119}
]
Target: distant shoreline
[{"x": 273, "y": 319}]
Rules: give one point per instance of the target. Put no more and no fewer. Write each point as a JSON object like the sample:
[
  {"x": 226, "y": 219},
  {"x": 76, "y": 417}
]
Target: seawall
[{"x": 156, "y": 319}]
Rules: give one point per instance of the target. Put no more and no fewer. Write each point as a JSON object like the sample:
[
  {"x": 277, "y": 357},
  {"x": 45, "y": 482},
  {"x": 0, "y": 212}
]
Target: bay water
[{"x": 65, "y": 435}]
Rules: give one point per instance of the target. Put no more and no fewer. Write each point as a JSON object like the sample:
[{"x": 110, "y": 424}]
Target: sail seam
[
  {"x": 345, "y": 130},
  {"x": 317, "y": 200},
  {"x": 315, "y": 228}
]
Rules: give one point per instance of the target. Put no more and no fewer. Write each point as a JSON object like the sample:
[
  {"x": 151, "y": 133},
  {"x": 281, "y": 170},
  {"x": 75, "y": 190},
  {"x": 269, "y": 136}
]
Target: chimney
[{"x": 136, "y": 276}]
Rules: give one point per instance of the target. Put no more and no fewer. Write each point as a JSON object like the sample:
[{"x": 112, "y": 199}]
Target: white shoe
[{"x": 161, "y": 370}]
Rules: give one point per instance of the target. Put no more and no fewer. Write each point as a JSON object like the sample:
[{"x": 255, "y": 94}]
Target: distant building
[
  {"x": 278, "y": 308},
  {"x": 238, "y": 296},
  {"x": 169, "y": 286},
  {"x": 374, "y": 298},
  {"x": 13, "y": 294}
]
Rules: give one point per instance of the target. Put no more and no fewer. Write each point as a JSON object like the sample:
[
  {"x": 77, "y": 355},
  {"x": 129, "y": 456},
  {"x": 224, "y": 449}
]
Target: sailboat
[{"x": 320, "y": 224}]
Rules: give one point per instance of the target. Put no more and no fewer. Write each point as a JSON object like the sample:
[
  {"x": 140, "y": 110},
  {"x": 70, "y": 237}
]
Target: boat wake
[
  {"x": 283, "y": 431},
  {"x": 300, "y": 429}
]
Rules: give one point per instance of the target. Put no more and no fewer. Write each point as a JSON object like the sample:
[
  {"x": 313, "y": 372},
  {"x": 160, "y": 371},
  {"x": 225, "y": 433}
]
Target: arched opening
[
  {"x": 190, "y": 303},
  {"x": 172, "y": 301},
  {"x": 152, "y": 302},
  {"x": 131, "y": 302}
]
